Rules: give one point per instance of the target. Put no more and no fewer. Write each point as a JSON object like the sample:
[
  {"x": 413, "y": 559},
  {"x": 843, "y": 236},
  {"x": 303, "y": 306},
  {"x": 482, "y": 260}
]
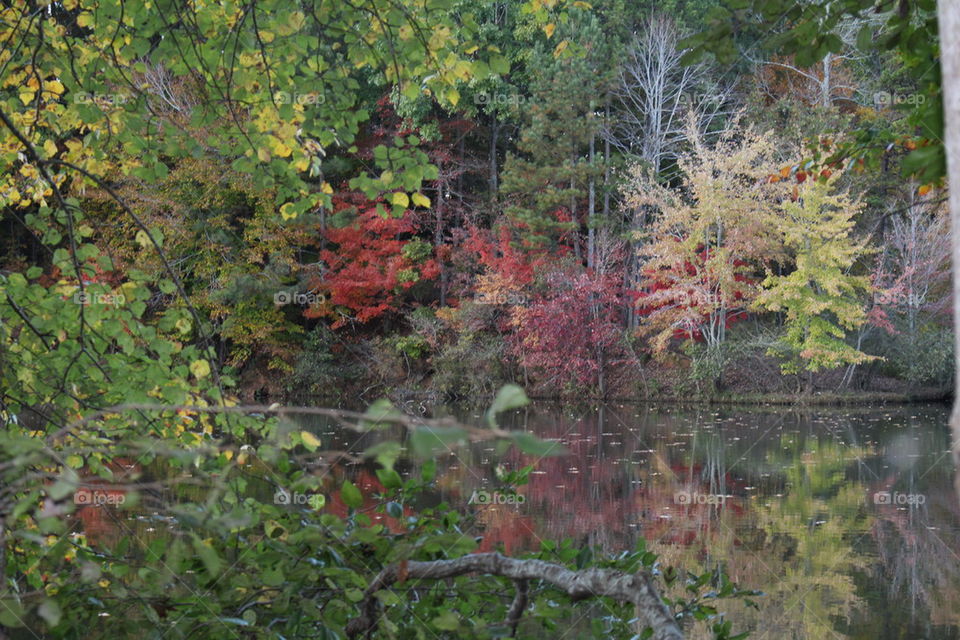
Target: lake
[{"x": 845, "y": 518}]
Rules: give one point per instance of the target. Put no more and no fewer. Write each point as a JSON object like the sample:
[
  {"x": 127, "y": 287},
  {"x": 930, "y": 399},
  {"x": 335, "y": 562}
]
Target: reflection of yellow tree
[
  {"x": 799, "y": 550},
  {"x": 809, "y": 532}
]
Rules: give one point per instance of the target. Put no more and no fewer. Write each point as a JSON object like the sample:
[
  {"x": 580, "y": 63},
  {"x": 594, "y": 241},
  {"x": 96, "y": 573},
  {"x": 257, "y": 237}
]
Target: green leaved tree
[
  {"x": 549, "y": 187},
  {"x": 821, "y": 298}
]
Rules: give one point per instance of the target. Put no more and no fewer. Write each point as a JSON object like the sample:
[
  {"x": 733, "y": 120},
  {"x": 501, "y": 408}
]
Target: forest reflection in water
[{"x": 845, "y": 519}]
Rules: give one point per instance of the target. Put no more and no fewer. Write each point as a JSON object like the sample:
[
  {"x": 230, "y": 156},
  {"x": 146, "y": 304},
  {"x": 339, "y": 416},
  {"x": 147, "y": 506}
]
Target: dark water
[{"x": 845, "y": 519}]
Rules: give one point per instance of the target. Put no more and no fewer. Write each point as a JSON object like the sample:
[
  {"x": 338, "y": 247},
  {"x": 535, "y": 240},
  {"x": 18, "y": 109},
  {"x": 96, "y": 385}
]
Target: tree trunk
[
  {"x": 949, "y": 16},
  {"x": 591, "y": 208},
  {"x": 494, "y": 134}
]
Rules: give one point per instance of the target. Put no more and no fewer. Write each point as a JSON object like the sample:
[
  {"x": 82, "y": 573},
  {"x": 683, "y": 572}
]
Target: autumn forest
[{"x": 282, "y": 283}]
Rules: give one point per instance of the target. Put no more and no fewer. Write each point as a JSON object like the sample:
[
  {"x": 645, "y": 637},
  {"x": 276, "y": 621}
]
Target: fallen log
[{"x": 579, "y": 585}]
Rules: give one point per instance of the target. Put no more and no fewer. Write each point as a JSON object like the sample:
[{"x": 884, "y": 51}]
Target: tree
[
  {"x": 950, "y": 56},
  {"x": 544, "y": 185},
  {"x": 914, "y": 256},
  {"x": 820, "y": 298},
  {"x": 710, "y": 237},
  {"x": 571, "y": 333},
  {"x": 374, "y": 261},
  {"x": 813, "y": 33},
  {"x": 656, "y": 93}
]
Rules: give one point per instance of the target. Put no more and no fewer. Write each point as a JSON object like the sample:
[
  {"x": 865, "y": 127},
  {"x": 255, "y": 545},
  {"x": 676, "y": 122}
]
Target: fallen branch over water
[{"x": 579, "y": 585}]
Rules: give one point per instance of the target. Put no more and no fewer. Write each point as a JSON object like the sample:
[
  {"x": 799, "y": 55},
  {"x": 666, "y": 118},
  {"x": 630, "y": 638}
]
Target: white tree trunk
[{"x": 949, "y": 15}]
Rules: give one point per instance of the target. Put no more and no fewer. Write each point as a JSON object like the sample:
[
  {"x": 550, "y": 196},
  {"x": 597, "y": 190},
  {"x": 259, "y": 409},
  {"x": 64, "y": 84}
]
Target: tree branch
[{"x": 579, "y": 585}]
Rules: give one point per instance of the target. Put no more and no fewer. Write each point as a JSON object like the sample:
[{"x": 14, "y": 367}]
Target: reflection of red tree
[
  {"x": 369, "y": 485},
  {"x": 599, "y": 498},
  {"x": 506, "y": 525},
  {"x": 98, "y": 521}
]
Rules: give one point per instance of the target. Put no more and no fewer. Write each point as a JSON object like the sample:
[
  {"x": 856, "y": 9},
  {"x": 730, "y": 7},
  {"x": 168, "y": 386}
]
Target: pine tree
[{"x": 544, "y": 185}]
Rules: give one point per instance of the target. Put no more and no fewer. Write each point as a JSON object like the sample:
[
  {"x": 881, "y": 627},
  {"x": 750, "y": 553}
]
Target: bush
[
  {"x": 473, "y": 366},
  {"x": 322, "y": 366},
  {"x": 926, "y": 357}
]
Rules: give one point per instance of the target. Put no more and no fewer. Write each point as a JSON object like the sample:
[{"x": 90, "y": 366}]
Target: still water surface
[{"x": 845, "y": 519}]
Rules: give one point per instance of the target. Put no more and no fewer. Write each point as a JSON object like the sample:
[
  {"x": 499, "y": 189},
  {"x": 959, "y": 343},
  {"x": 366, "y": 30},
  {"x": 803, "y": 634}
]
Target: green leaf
[
  {"x": 11, "y": 613},
  {"x": 426, "y": 442},
  {"x": 388, "y": 598},
  {"x": 509, "y": 397},
  {"x": 385, "y": 453},
  {"x": 531, "y": 444},
  {"x": 447, "y": 621},
  {"x": 389, "y": 478},
  {"x": 381, "y": 413},
  {"x": 49, "y": 610},
  {"x": 351, "y": 495},
  {"x": 208, "y": 555}
]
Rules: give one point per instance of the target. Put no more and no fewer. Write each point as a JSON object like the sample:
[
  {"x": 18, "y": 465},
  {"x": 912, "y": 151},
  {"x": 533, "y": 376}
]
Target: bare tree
[
  {"x": 914, "y": 255},
  {"x": 656, "y": 93},
  {"x": 827, "y": 81}
]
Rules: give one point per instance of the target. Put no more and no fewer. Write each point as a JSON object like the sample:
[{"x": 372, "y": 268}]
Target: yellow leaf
[
  {"x": 549, "y": 29},
  {"x": 386, "y": 177},
  {"x": 296, "y": 20},
  {"x": 266, "y": 36},
  {"x": 286, "y": 213},
  {"x": 264, "y": 154},
  {"x": 143, "y": 239},
  {"x": 200, "y": 369},
  {"x": 326, "y": 188},
  {"x": 54, "y": 86},
  {"x": 50, "y": 147},
  {"x": 925, "y": 189},
  {"x": 26, "y": 97},
  {"x": 472, "y": 49},
  {"x": 453, "y": 96},
  {"x": 421, "y": 200},
  {"x": 309, "y": 440},
  {"x": 561, "y": 48},
  {"x": 400, "y": 199},
  {"x": 279, "y": 147},
  {"x": 84, "y": 20}
]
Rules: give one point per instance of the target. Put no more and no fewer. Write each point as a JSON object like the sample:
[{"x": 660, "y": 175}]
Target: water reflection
[{"x": 845, "y": 519}]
